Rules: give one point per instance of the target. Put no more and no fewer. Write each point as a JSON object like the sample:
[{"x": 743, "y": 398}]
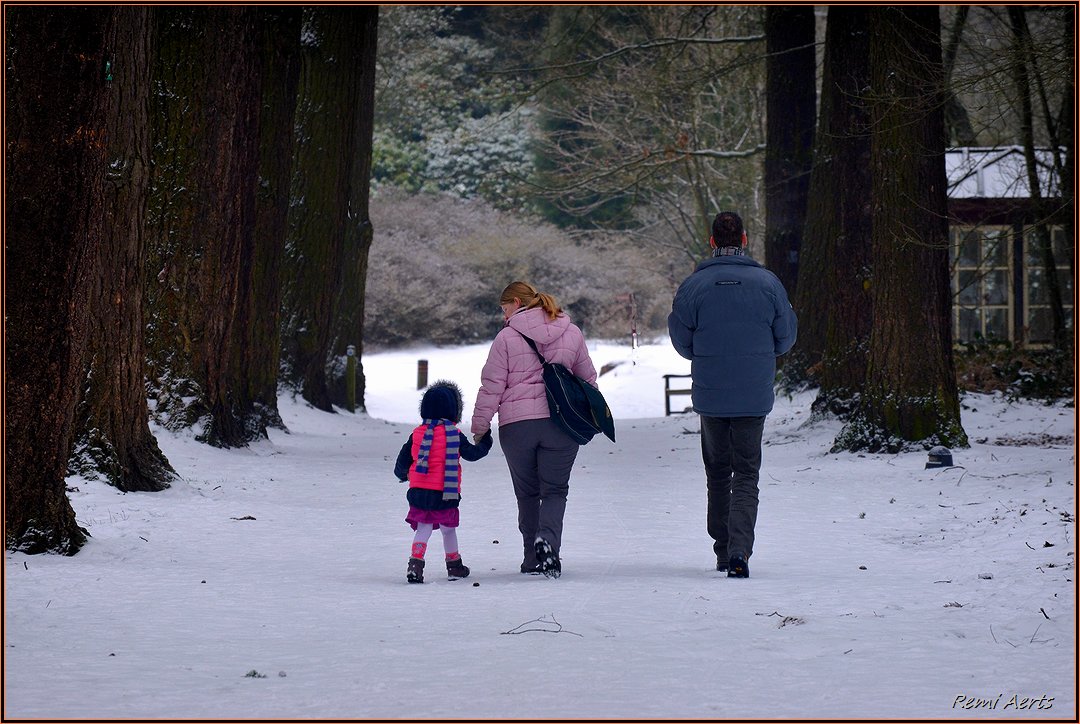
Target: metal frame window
[
  {"x": 982, "y": 266},
  {"x": 1038, "y": 323}
]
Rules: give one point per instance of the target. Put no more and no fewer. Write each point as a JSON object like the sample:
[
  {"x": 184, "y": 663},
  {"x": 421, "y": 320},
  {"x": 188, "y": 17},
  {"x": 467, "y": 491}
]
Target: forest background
[{"x": 208, "y": 207}]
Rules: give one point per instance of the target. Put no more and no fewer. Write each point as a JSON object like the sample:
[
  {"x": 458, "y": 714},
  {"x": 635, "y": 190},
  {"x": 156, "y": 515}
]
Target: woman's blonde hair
[{"x": 529, "y": 297}]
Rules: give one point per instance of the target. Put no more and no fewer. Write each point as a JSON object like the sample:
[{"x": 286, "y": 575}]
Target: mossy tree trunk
[
  {"x": 206, "y": 136},
  {"x": 57, "y": 124},
  {"x": 910, "y": 394},
  {"x": 258, "y": 341},
  {"x": 833, "y": 294},
  {"x": 113, "y": 438},
  {"x": 326, "y": 250},
  {"x": 790, "y": 91}
]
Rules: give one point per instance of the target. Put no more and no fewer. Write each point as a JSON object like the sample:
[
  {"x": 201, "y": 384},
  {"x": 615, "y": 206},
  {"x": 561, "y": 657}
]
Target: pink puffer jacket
[{"x": 512, "y": 382}]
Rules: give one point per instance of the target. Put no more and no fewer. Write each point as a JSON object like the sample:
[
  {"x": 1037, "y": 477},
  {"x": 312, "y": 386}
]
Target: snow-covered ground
[{"x": 270, "y": 581}]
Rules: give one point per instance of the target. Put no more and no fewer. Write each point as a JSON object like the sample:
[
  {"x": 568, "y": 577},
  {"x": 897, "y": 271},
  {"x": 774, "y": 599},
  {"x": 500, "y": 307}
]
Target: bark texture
[
  {"x": 910, "y": 395},
  {"x": 206, "y": 135},
  {"x": 57, "y": 96},
  {"x": 833, "y": 293},
  {"x": 791, "y": 102},
  {"x": 327, "y": 224},
  {"x": 113, "y": 439}
]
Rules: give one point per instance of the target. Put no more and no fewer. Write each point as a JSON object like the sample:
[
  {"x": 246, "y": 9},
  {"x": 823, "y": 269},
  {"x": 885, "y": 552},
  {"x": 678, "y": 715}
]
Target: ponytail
[{"x": 530, "y": 297}]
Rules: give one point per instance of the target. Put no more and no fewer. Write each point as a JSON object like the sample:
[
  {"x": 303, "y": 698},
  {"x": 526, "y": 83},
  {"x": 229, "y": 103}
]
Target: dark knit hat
[
  {"x": 442, "y": 401},
  {"x": 727, "y": 229}
]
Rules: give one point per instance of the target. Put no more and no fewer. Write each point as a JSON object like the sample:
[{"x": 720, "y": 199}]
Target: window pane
[
  {"x": 1032, "y": 249},
  {"x": 996, "y": 288},
  {"x": 996, "y": 248},
  {"x": 969, "y": 248},
  {"x": 1061, "y": 253},
  {"x": 1039, "y": 324},
  {"x": 1065, "y": 284},
  {"x": 968, "y": 324},
  {"x": 968, "y": 282},
  {"x": 1036, "y": 289},
  {"x": 997, "y": 323}
]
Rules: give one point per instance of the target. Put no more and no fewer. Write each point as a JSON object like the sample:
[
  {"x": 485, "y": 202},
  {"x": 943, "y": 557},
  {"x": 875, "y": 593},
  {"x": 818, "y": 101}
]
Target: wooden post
[
  {"x": 350, "y": 378},
  {"x": 421, "y": 374}
]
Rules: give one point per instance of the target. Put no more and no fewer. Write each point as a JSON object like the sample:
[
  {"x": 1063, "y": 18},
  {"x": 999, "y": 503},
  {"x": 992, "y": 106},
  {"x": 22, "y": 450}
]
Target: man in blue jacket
[{"x": 731, "y": 318}]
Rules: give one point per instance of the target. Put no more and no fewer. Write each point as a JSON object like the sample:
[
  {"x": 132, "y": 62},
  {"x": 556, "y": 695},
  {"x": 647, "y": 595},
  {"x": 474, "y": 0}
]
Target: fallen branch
[{"x": 519, "y": 630}]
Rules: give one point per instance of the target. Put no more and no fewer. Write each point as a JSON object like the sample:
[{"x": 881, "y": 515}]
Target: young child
[{"x": 429, "y": 459}]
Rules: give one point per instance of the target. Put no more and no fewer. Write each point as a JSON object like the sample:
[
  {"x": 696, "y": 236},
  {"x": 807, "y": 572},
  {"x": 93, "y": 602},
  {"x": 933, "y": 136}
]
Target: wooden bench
[{"x": 669, "y": 391}]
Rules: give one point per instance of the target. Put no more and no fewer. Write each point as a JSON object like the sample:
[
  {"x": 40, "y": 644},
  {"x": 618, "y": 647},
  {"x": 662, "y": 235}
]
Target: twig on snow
[
  {"x": 1044, "y": 614},
  {"x": 519, "y": 630}
]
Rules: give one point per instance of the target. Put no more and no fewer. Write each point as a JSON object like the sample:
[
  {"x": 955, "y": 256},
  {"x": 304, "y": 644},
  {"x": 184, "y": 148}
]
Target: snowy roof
[{"x": 997, "y": 173}]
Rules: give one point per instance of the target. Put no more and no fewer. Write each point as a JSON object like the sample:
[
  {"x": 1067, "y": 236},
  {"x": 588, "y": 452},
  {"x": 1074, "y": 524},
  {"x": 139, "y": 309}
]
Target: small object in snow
[
  {"x": 476, "y": 583},
  {"x": 112, "y": 654},
  {"x": 1047, "y": 544},
  {"x": 862, "y": 568},
  {"x": 246, "y": 517},
  {"x": 495, "y": 542},
  {"x": 939, "y": 457},
  {"x": 985, "y": 576},
  {"x": 203, "y": 581},
  {"x": 281, "y": 674}
]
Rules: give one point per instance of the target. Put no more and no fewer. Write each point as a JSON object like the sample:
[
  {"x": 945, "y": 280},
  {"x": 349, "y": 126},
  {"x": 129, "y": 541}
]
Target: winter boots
[
  {"x": 456, "y": 569},
  {"x": 415, "y": 573},
  {"x": 548, "y": 559},
  {"x": 738, "y": 567}
]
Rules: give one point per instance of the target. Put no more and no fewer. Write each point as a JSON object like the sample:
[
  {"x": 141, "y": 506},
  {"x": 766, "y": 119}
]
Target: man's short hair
[{"x": 727, "y": 229}]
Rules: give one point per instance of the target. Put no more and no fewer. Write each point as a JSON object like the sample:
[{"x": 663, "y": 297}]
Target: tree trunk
[
  {"x": 832, "y": 295},
  {"x": 58, "y": 100},
  {"x": 258, "y": 340},
  {"x": 113, "y": 440},
  {"x": 321, "y": 222},
  {"x": 206, "y": 154},
  {"x": 956, "y": 116},
  {"x": 1022, "y": 82},
  {"x": 790, "y": 102},
  {"x": 358, "y": 229},
  {"x": 910, "y": 395}
]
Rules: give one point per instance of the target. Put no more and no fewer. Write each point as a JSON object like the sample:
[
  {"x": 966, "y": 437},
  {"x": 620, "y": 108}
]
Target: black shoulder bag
[{"x": 575, "y": 405}]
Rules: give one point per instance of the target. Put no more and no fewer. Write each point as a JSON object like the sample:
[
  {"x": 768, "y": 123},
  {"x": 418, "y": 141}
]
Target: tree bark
[
  {"x": 832, "y": 295},
  {"x": 910, "y": 395},
  {"x": 206, "y": 154},
  {"x": 58, "y": 100},
  {"x": 113, "y": 440},
  {"x": 358, "y": 230},
  {"x": 321, "y": 221},
  {"x": 790, "y": 90},
  {"x": 258, "y": 340}
]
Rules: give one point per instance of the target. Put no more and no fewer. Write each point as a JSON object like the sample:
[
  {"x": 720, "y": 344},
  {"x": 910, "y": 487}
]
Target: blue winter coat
[{"x": 731, "y": 318}]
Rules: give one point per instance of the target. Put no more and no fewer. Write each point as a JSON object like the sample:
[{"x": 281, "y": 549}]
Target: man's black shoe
[{"x": 738, "y": 568}]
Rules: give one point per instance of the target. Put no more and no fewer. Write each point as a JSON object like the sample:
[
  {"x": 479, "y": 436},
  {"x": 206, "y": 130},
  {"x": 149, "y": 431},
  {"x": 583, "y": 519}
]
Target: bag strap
[{"x": 533, "y": 345}]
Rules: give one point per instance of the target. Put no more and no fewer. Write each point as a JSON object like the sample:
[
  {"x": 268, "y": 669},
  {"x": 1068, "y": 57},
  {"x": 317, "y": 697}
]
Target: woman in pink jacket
[{"x": 539, "y": 454}]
